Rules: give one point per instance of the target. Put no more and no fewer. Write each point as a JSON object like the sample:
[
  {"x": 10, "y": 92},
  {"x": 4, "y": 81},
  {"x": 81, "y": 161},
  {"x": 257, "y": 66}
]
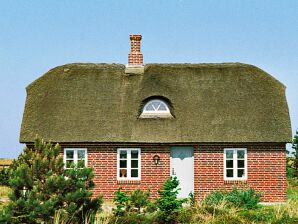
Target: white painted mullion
[
  {"x": 225, "y": 164},
  {"x": 129, "y": 163},
  {"x": 118, "y": 163},
  {"x": 235, "y": 163},
  {"x": 245, "y": 164},
  {"x": 75, "y": 157},
  {"x": 139, "y": 164},
  {"x": 86, "y": 157}
]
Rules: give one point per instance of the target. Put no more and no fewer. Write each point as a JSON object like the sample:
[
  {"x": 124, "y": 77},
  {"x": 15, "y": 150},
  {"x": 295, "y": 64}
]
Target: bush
[
  {"x": 185, "y": 215},
  {"x": 168, "y": 203},
  {"x": 121, "y": 201},
  {"x": 139, "y": 199},
  {"x": 4, "y": 176},
  {"x": 41, "y": 186},
  {"x": 247, "y": 198},
  {"x": 215, "y": 198},
  {"x": 295, "y": 155},
  {"x": 192, "y": 199}
]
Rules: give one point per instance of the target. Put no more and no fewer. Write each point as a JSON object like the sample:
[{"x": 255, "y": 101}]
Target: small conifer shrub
[
  {"x": 168, "y": 203},
  {"x": 41, "y": 186},
  {"x": 121, "y": 200}
]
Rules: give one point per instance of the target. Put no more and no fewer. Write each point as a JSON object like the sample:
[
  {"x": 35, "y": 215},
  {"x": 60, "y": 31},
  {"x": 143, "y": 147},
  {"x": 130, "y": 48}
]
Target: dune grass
[{"x": 4, "y": 192}]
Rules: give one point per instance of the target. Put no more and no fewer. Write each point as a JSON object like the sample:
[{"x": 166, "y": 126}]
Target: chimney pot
[{"x": 135, "y": 57}]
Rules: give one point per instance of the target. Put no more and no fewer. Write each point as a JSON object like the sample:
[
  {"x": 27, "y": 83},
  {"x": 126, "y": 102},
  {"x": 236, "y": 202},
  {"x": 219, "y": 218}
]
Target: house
[
  {"x": 5, "y": 163},
  {"x": 214, "y": 126}
]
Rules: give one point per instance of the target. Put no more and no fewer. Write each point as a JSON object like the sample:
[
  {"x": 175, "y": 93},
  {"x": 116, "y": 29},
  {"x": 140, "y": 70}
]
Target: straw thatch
[{"x": 229, "y": 102}]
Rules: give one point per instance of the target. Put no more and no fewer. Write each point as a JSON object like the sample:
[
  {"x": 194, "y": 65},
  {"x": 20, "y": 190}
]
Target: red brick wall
[
  {"x": 266, "y": 170},
  {"x": 104, "y": 162}
]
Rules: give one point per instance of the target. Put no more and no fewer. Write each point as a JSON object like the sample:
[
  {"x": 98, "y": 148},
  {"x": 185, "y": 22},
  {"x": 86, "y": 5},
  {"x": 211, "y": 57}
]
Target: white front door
[{"x": 182, "y": 166}]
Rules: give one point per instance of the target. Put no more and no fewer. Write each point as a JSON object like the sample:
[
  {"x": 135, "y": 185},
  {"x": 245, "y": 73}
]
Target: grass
[
  {"x": 283, "y": 213},
  {"x": 4, "y": 192}
]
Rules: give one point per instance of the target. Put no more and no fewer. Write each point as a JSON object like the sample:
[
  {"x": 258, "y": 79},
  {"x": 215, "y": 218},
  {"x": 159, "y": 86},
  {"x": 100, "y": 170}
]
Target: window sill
[
  {"x": 235, "y": 182},
  {"x": 131, "y": 182}
]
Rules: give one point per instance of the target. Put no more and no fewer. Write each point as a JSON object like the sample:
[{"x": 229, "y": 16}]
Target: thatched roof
[
  {"x": 229, "y": 102},
  {"x": 5, "y": 162}
]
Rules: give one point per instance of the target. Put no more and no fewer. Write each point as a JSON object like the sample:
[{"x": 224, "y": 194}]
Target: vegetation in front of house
[
  {"x": 4, "y": 176},
  {"x": 202, "y": 212},
  {"x": 42, "y": 188},
  {"x": 168, "y": 203},
  {"x": 247, "y": 198},
  {"x": 292, "y": 160},
  {"x": 137, "y": 208}
]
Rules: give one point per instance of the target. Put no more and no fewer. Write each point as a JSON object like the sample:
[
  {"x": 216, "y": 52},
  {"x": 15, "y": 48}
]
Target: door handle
[{"x": 173, "y": 171}]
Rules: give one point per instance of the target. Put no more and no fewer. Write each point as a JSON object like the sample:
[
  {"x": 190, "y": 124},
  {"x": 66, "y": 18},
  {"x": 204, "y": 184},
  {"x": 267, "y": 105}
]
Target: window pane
[
  {"x": 162, "y": 107},
  {"x": 134, "y": 163},
  {"x": 123, "y": 163},
  {"x": 149, "y": 107},
  {"x": 123, "y": 154},
  {"x": 240, "y": 173},
  {"x": 229, "y": 163},
  {"x": 155, "y": 104},
  {"x": 122, "y": 173},
  {"x": 240, "y": 154},
  {"x": 134, "y": 154},
  {"x": 229, "y": 154},
  {"x": 134, "y": 173},
  {"x": 69, "y": 154},
  {"x": 81, "y": 154},
  {"x": 240, "y": 163},
  {"x": 69, "y": 163},
  {"x": 230, "y": 173},
  {"x": 81, "y": 163}
]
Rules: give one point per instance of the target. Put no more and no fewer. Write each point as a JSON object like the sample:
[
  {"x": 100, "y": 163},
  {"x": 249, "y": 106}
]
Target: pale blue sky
[{"x": 36, "y": 36}]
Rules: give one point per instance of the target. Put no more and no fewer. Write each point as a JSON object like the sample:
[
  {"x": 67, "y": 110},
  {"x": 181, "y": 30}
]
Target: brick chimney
[{"x": 135, "y": 57}]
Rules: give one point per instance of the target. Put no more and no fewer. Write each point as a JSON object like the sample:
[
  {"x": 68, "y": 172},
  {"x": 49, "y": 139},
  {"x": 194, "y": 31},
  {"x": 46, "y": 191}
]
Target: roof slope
[{"x": 229, "y": 102}]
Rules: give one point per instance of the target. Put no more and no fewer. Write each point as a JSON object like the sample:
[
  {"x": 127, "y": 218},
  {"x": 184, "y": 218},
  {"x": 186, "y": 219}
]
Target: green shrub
[
  {"x": 215, "y": 198},
  {"x": 247, "y": 198},
  {"x": 295, "y": 155},
  {"x": 168, "y": 203},
  {"x": 185, "y": 215},
  {"x": 139, "y": 199},
  {"x": 4, "y": 176},
  {"x": 192, "y": 199},
  {"x": 121, "y": 200},
  {"x": 41, "y": 186}
]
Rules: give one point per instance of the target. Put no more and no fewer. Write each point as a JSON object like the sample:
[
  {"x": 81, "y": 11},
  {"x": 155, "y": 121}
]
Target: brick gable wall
[{"x": 266, "y": 170}]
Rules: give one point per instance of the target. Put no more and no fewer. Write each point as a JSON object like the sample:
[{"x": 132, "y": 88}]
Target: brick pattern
[
  {"x": 104, "y": 163},
  {"x": 135, "y": 57},
  {"x": 266, "y": 170}
]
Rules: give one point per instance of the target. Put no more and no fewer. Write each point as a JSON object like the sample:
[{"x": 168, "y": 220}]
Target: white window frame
[
  {"x": 75, "y": 156},
  {"x": 128, "y": 164},
  {"x": 156, "y": 113},
  {"x": 235, "y": 165}
]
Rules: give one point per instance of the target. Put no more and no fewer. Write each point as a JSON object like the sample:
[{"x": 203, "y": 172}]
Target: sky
[{"x": 36, "y": 36}]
